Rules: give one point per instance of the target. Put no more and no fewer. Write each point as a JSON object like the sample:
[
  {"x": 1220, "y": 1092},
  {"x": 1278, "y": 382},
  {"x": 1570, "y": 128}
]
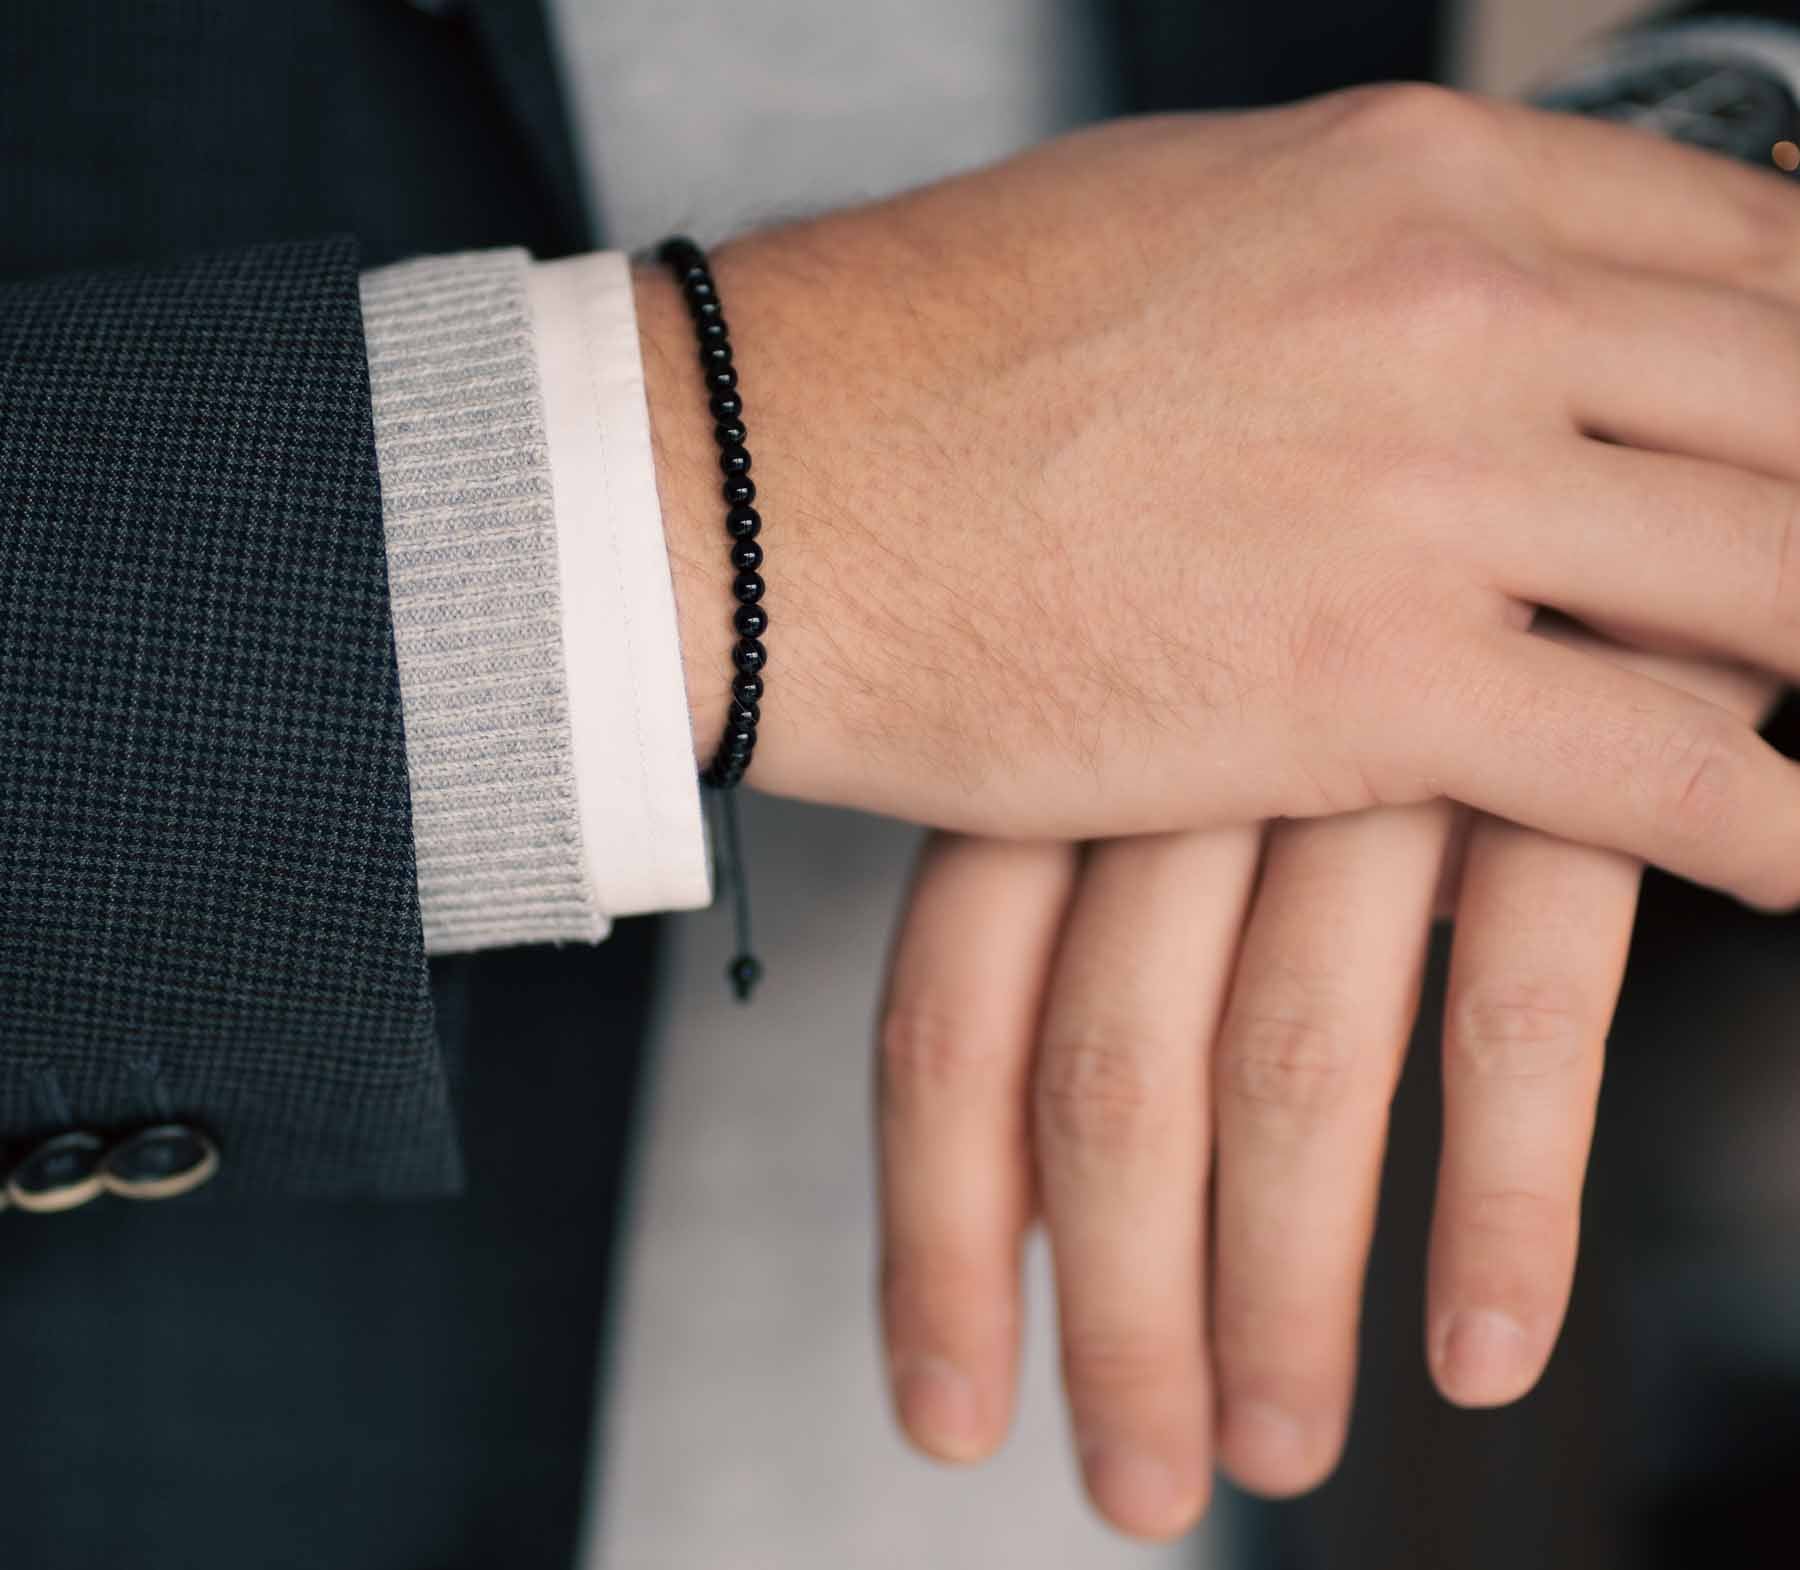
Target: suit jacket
[{"x": 207, "y": 910}]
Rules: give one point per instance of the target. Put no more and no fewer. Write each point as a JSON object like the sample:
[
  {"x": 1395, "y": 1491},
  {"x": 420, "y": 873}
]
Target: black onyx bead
[
  {"x": 725, "y": 405},
  {"x": 693, "y": 271},
  {"x": 735, "y": 459},
  {"x": 706, "y": 310},
  {"x": 743, "y": 523},
  {"x": 747, "y": 689},
  {"x": 712, "y": 329},
  {"x": 742, "y": 716},
  {"x": 740, "y": 741},
  {"x": 721, "y": 378},
  {"x": 739, "y": 490},
  {"x": 728, "y": 431},
  {"x": 679, "y": 251},
  {"x": 748, "y": 587},
  {"x": 697, "y": 285},
  {"x": 746, "y": 555},
  {"x": 749, "y": 656},
  {"x": 743, "y": 973},
  {"x": 751, "y": 621},
  {"x": 714, "y": 354}
]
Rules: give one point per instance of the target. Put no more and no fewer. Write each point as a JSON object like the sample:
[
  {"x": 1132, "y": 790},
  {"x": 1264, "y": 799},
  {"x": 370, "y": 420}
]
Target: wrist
[
  {"x": 789, "y": 385},
  {"x": 687, "y": 487},
  {"x": 840, "y": 601}
]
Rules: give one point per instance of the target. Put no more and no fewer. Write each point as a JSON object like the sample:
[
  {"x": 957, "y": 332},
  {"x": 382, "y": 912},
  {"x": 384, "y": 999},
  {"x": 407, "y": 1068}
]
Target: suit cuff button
[
  {"x": 162, "y": 1162},
  {"x": 60, "y": 1174}
]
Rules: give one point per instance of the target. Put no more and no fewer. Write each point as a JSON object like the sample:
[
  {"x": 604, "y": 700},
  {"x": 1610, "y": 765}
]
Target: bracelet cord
[{"x": 743, "y": 524}]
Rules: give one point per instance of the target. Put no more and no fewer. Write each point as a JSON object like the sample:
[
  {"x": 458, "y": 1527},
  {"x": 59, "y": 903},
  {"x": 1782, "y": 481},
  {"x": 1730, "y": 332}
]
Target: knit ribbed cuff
[{"x": 473, "y": 581}]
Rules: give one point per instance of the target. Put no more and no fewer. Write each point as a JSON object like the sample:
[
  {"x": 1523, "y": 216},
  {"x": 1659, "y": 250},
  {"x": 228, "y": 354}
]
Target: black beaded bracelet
[{"x": 687, "y": 262}]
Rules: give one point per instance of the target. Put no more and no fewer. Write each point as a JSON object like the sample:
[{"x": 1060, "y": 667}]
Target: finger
[
  {"x": 1121, "y": 1143},
  {"x": 1646, "y": 201},
  {"x": 1747, "y": 694},
  {"x": 957, "y": 1029},
  {"x": 1681, "y": 366},
  {"x": 1539, "y": 955},
  {"x": 1326, "y": 988},
  {"x": 1563, "y": 741},
  {"x": 1689, "y": 553},
  {"x": 1541, "y": 938}
]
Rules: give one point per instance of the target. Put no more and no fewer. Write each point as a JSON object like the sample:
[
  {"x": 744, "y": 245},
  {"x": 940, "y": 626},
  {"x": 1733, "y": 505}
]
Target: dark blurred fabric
[
  {"x": 204, "y": 915},
  {"x": 224, "y": 1381},
  {"x": 131, "y": 133},
  {"x": 349, "y": 1384},
  {"x": 1229, "y": 54}
]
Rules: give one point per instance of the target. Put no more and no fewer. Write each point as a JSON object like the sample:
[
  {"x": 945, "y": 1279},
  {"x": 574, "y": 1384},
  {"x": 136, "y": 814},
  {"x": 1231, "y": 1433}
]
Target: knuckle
[
  {"x": 1291, "y": 1066},
  {"x": 1507, "y": 1226},
  {"x": 1414, "y": 117},
  {"x": 1519, "y": 1030},
  {"x": 928, "y": 1292},
  {"x": 1280, "y": 1345},
  {"x": 1111, "y": 1363},
  {"x": 925, "y": 1052},
  {"x": 1699, "y": 783},
  {"x": 1097, "y": 1090}
]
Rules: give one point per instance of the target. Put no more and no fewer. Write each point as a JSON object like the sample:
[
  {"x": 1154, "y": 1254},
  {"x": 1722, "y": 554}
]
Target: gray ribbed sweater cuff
[{"x": 472, "y": 570}]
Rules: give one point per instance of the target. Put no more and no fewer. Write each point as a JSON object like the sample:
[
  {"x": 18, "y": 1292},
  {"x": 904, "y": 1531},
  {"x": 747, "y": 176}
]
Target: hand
[
  {"x": 1203, "y": 470},
  {"x": 1064, "y": 1032}
]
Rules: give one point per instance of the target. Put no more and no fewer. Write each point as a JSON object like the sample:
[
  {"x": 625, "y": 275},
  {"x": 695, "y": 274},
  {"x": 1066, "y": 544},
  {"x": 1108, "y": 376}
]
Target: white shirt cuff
[{"x": 638, "y": 796}]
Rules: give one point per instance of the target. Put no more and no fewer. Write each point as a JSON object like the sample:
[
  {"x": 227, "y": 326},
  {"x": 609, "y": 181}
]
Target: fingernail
[
  {"x": 937, "y": 1405},
  {"x": 1483, "y": 1357},
  {"x": 1139, "y": 1493},
  {"x": 1267, "y": 1445}
]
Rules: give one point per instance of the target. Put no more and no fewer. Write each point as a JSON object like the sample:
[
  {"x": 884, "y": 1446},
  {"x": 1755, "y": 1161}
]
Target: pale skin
[
  {"x": 1183, "y": 1069},
  {"x": 1206, "y": 472}
]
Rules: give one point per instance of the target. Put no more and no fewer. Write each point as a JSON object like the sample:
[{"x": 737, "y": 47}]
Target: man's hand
[
  {"x": 1194, "y": 471},
  {"x": 1185, "y": 1068}
]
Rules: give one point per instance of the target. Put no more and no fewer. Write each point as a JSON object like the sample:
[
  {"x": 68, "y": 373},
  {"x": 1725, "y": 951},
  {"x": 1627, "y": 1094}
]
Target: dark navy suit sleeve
[{"x": 207, "y": 899}]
